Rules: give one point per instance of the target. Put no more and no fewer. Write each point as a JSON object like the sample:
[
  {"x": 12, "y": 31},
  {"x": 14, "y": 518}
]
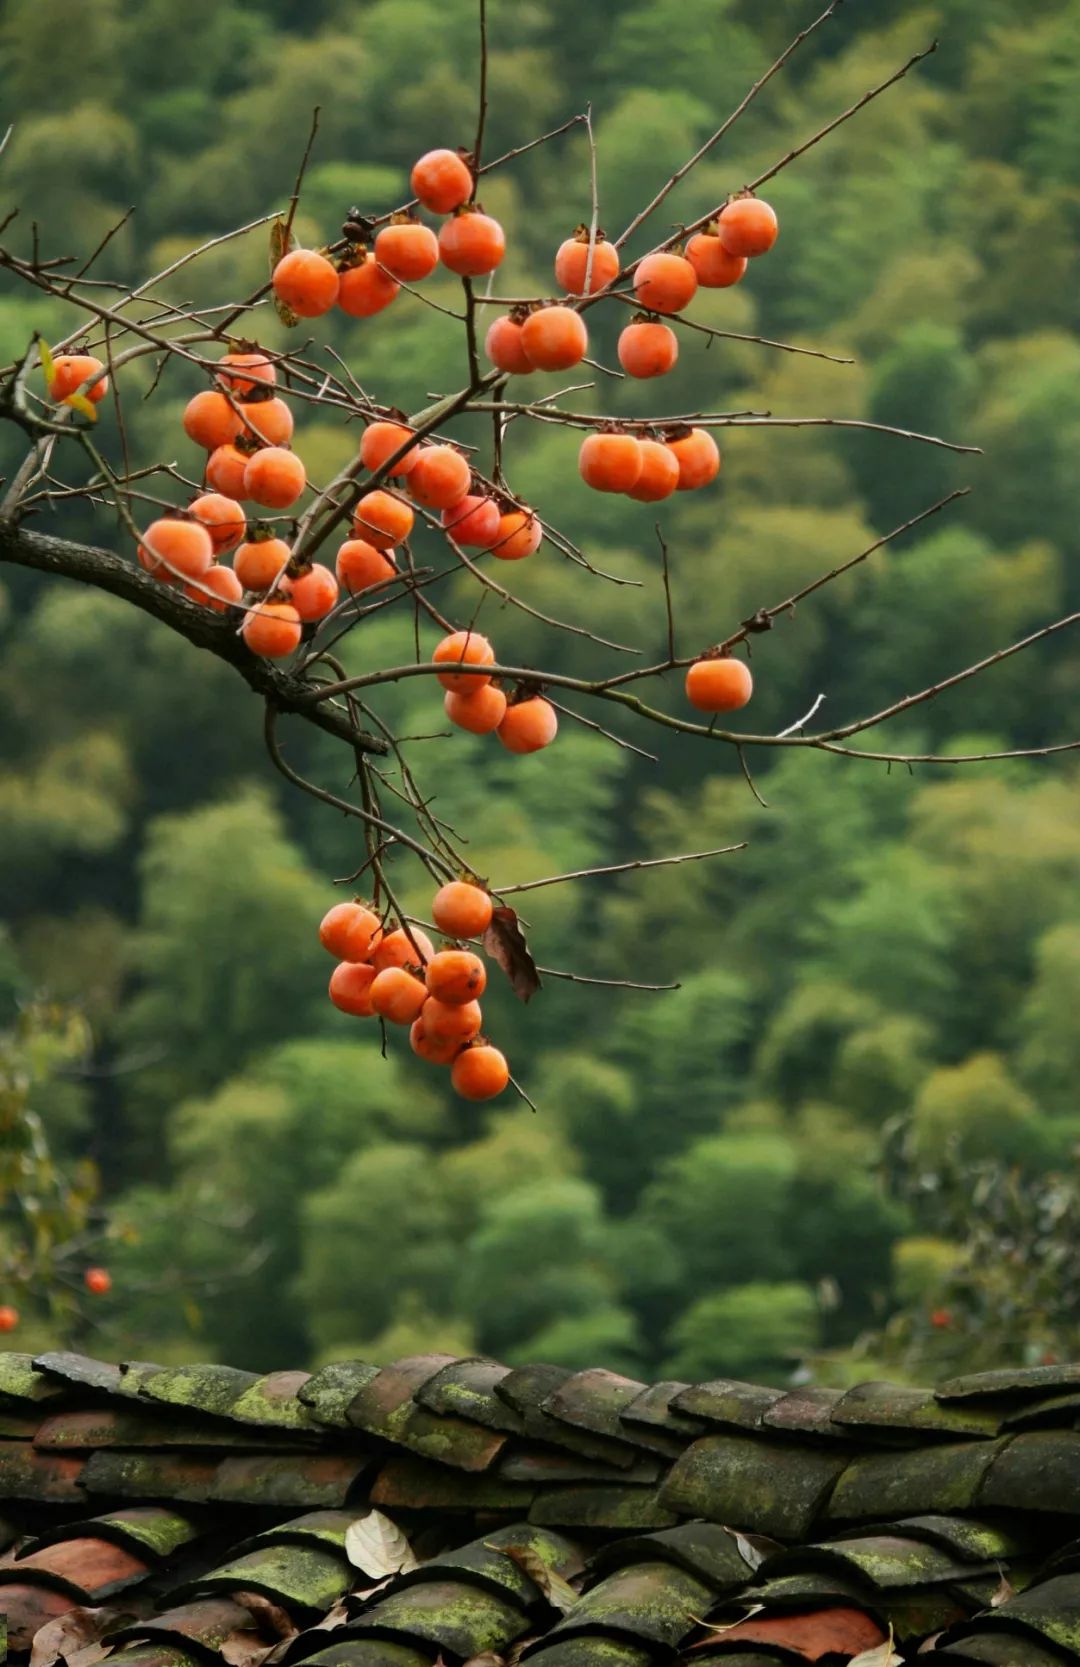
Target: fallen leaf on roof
[
  {"x": 378, "y": 1547},
  {"x": 883, "y": 1655},
  {"x": 273, "y": 1621},
  {"x": 1005, "y": 1591},
  {"x": 559, "y": 1592},
  {"x": 77, "y": 1632},
  {"x": 505, "y": 942},
  {"x": 489, "y": 1658},
  {"x": 753, "y": 1548}
]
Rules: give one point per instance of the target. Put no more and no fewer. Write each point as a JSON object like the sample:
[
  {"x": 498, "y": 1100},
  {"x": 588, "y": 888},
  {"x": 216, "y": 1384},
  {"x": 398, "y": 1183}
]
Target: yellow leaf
[
  {"x": 80, "y": 403},
  {"x": 47, "y": 362}
]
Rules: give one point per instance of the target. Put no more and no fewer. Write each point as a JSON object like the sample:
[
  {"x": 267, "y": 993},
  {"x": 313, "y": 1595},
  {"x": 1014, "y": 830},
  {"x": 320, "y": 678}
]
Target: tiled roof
[{"x": 564, "y": 1519}]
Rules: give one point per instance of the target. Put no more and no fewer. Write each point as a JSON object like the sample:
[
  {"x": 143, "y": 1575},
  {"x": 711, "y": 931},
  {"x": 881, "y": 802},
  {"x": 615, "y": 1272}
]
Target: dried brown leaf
[
  {"x": 79, "y": 1632},
  {"x": 378, "y": 1547},
  {"x": 505, "y": 942},
  {"x": 753, "y": 1548},
  {"x": 1005, "y": 1591},
  {"x": 272, "y": 1621},
  {"x": 559, "y": 1592}
]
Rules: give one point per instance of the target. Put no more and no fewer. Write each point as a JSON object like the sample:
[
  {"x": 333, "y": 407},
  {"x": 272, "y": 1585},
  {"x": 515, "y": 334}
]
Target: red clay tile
[
  {"x": 90, "y": 1564},
  {"x": 26, "y": 1608},
  {"x": 26, "y": 1474}
]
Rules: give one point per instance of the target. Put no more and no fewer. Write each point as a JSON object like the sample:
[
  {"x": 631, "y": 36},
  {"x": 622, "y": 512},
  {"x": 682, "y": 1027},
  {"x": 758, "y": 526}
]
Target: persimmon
[
  {"x": 555, "y": 338},
  {"x": 407, "y": 250},
  {"x": 520, "y": 534},
  {"x": 659, "y": 476},
  {"x": 610, "y": 462},
  {"x": 479, "y": 713},
  {"x": 365, "y": 289},
  {"x": 441, "y": 181},
  {"x": 426, "y": 1047},
  {"x": 748, "y": 227},
  {"x": 350, "y": 932},
  {"x": 259, "y": 562},
  {"x": 210, "y": 420},
  {"x": 572, "y": 260},
  {"x": 272, "y": 629},
  {"x": 504, "y": 345},
  {"x": 312, "y": 593},
  {"x": 223, "y": 584},
  {"x": 98, "y": 1280},
  {"x": 647, "y": 348},
  {"x": 440, "y": 477},
  {"x": 471, "y": 244},
  {"x": 665, "y": 282},
  {"x": 462, "y": 910},
  {"x": 397, "y": 995},
  {"x": 479, "y": 1072},
  {"x": 473, "y": 522},
  {"x": 306, "y": 282},
  {"x": 380, "y": 441},
  {"x": 360, "y": 565},
  {"x": 223, "y": 519},
  {"x": 9, "y": 1316},
  {"x": 177, "y": 548},
  {"x": 403, "y": 949},
  {"x": 698, "y": 457},
  {"x": 463, "y": 648},
  {"x": 719, "y": 684},
  {"x": 274, "y": 477},
  {"x": 245, "y": 373},
  {"x": 713, "y": 261},
  {"x": 225, "y": 470},
  {"x": 456, "y": 976},
  {"x": 446, "y": 1021},
  {"x": 382, "y": 520},
  {"x": 71, "y": 370},
  {"x": 269, "y": 420},
  {"x": 350, "y": 988},
  {"x": 529, "y": 725}
]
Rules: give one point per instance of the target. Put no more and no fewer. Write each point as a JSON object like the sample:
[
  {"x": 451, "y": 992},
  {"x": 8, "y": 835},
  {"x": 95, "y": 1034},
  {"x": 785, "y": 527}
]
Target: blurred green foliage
[{"x": 699, "y": 1192}]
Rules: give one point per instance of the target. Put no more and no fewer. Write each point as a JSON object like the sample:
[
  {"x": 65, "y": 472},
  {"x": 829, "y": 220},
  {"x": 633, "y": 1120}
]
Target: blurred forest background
[{"x": 849, "y": 1138}]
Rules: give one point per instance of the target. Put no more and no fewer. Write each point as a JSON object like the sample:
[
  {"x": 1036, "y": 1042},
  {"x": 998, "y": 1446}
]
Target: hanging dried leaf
[
  {"x": 559, "y": 1592},
  {"x": 378, "y": 1547},
  {"x": 78, "y": 1632},
  {"x": 281, "y": 241},
  {"x": 505, "y": 942}
]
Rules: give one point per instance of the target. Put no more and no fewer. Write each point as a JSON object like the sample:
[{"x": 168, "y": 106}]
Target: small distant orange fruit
[
  {"x": 610, "y": 462},
  {"x": 397, "y": 995},
  {"x": 440, "y": 477},
  {"x": 441, "y": 181},
  {"x": 360, "y": 566},
  {"x": 712, "y": 260},
  {"x": 480, "y": 1072},
  {"x": 505, "y": 346},
  {"x": 272, "y": 629},
  {"x": 462, "y": 910},
  {"x": 350, "y": 988},
  {"x": 176, "y": 548},
  {"x": 479, "y": 713},
  {"x": 350, "y": 932},
  {"x": 555, "y": 338},
  {"x": 456, "y": 976},
  {"x": 382, "y": 520},
  {"x": 474, "y": 522},
  {"x": 210, "y": 420},
  {"x": 71, "y": 370},
  {"x": 365, "y": 289},
  {"x": 520, "y": 534},
  {"x": 381, "y": 440},
  {"x": 665, "y": 283},
  {"x": 472, "y": 244},
  {"x": 463, "y": 648},
  {"x": 698, "y": 457},
  {"x": 98, "y": 1280},
  {"x": 269, "y": 420},
  {"x": 748, "y": 227},
  {"x": 9, "y": 1317},
  {"x": 274, "y": 477},
  {"x": 572, "y": 258},
  {"x": 529, "y": 726},
  {"x": 259, "y": 563},
  {"x": 719, "y": 685},
  {"x": 306, "y": 282},
  {"x": 647, "y": 348},
  {"x": 408, "y": 250}
]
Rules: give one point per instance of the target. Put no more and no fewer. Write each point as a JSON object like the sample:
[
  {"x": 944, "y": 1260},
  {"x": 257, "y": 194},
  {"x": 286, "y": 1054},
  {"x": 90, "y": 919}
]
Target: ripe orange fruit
[
  {"x": 259, "y": 563},
  {"x": 446, "y": 1021},
  {"x": 313, "y": 593},
  {"x": 272, "y": 629},
  {"x": 462, "y": 910},
  {"x": 440, "y": 477},
  {"x": 520, "y": 534},
  {"x": 504, "y": 346},
  {"x": 365, "y": 289},
  {"x": 350, "y": 988},
  {"x": 210, "y": 420},
  {"x": 359, "y": 565},
  {"x": 257, "y": 372},
  {"x": 479, "y": 713},
  {"x": 480, "y": 1072},
  {"x": 306, "y": 282},
  {"x": 98, "y": 1280},
  {"x": 441, "y": 181},
  {"x": 468, "y": 648},
  {"x": 698, "y": 457},
  {"x": 712, "y": 260},
  {"x": 179, "y": 548},
  {"x": 426, "y": 1047},
  {"x": 474, "y": 522},
  {"x": 471, "y": 244},
  {"x": 529, "y": 726},
  {"x": 269, "y": 420},
  {"x": 665, "y": 283},
  {"x": 748, "y": 227},
  {"x": 403, "y": 949},
  {"x": 223, "y": 519},
  {"x": 722, "y": 684},
  {"x": 647, "y": 348},
  {"x": 71, "y": 370},
  {"x": 610, "y": 462},
  {"x": 380, "y": 442},
  {"x": 555, "y": 338},
  {"x": 9, "y": 1317},
  {"x": 350, "y": 932},
  {"x": 382, "y": 520},
  {"x": 572, "y": 258},
  {"x": 456, "y": 976},
  {"x": 659, "y": 476},
  {"x": 407, "y": 250},
  {"x": 274, "y": 477},
  {"x": 225, "y": 470},
  {"x": 398, "y": 996},
  {"x": 224, "y": 584}
]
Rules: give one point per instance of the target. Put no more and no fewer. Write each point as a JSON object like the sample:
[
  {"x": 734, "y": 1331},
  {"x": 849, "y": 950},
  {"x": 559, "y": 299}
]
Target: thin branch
[
  {"x": 607, "y": 983},
  {"x": 481, "y": 119},
  {"x": 618, "y": 868},
  {"x": 294, "y": 200},
  {"x": 793, "y": 729}
]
